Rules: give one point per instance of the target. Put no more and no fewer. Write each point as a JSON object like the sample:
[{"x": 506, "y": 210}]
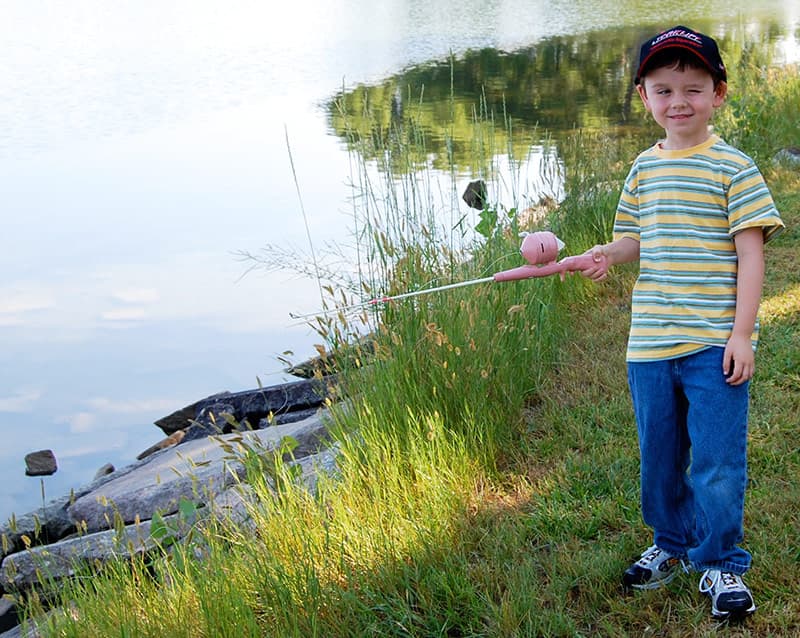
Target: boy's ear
[
  {"x": 643, "y": 94},
  {"x": 720, "y": 92}
]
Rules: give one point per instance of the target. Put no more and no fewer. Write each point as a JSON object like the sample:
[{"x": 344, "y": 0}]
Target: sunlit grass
[{"x": 781, "y": 306}]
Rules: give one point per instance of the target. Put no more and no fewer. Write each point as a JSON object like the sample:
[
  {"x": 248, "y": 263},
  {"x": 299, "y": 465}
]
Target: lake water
[{"x": 143, "y": 145}]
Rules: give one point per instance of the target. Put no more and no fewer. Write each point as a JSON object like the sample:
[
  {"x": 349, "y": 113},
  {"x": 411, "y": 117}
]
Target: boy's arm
[
  {"x": 619, "y": 251},
  {"x": 739, "y": 359}
]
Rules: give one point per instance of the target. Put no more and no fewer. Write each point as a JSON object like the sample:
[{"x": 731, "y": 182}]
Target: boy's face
[{"x": 682, "y": 103}]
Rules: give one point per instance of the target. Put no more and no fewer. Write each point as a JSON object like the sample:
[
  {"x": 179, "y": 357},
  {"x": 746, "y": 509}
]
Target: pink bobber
[
  {"x": 541, "y": 247},
  {"x": 540, "y": 250}
]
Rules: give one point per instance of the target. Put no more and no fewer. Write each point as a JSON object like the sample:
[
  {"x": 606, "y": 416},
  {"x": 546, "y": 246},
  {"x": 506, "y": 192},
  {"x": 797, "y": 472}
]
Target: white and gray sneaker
[
  {"x": 655, "y": 568},
  {"x": 730, "y": 597}
]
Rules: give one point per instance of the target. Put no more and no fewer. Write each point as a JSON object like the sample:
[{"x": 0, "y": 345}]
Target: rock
[
  {"x": 197, "y": 470},
  {"x": 287, "y": 417},
  {"x": 476, "y": 195},
  {"x": 172, "y": 439},
  {"x": 253, "y": 405},
  {"x": 23, "y": 570},
  {"x": 31, "y": 629},
  {"x": 44, "y": 525},
  {"x": 233, "y": 505},
  {"x": 315, "y": 465},
  {"x": 211, "y": 420},
  {"x": 788, "y": 155},
  {"x": 112, "y": 517},
  {"x": 178, "y": 420},
  {"x": 105, "y": 470},
  {"x": 8, "y": 614},
  {"x": 353, "y": 355},
  {"x": 41, "y": 463}
]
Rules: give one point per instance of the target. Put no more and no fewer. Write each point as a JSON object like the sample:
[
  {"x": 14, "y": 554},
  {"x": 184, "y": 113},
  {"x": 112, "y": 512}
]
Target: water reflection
[{"x": 558, "y": 85}]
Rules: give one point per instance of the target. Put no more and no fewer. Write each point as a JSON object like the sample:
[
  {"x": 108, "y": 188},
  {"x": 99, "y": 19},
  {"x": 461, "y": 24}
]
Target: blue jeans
[{"x": 693, "y": 444}]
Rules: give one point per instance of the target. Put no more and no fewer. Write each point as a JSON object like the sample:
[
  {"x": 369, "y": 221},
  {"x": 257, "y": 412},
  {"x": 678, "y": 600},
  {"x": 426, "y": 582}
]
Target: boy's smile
[{"x": 682, "y": 103}]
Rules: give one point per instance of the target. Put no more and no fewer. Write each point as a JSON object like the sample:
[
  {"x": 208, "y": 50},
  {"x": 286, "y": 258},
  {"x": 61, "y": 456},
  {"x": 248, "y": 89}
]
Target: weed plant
[
  {"x": 749, "y": 117},
  {"x": 488, "y": 478}
]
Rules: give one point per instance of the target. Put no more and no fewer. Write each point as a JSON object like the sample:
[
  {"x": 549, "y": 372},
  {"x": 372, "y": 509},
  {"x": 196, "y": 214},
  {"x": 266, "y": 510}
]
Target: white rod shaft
[
  {"x": 405, "y": 295},
  {"x": 438, "y": 289}
]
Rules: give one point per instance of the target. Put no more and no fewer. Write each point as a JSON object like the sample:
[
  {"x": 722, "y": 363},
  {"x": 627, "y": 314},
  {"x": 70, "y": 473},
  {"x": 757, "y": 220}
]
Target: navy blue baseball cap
[{"x": 701, "y": 45}]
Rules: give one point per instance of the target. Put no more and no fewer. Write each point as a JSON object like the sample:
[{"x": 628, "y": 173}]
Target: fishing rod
[{"x": 539, "y": 249}]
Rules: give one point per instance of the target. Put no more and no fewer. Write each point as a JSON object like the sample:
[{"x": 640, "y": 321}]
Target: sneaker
[
  {"x": 730, "y": 597},
  {"x": 655, "y": 568}
]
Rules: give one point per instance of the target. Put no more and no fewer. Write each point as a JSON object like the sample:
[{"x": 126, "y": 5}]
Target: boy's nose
[{"x": 679, "y": 103}]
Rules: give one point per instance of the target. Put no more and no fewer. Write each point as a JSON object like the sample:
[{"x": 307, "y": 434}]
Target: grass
[{"x": 489, "y": 464}]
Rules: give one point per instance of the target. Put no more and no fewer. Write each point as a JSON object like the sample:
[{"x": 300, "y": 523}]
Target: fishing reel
[{"x": 540, "y": 250}]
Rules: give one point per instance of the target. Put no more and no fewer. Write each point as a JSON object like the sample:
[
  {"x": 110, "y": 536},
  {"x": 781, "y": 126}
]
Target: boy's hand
[
  {"x": 739, "y": 360},
  {"x": 599, "y": 268}
]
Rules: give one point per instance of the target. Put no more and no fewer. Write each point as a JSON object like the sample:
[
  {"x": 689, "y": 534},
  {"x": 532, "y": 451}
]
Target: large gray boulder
[{"x": 198, "y": 471}]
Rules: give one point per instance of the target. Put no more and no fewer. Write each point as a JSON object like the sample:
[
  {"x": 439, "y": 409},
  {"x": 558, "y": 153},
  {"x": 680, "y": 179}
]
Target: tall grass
[
  {"x": 488, "y": 478},
  {"x": 759, "y": 120}
]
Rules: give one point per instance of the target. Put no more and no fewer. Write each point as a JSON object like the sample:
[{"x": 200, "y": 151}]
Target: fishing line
[{"x": 305, "y": 217}]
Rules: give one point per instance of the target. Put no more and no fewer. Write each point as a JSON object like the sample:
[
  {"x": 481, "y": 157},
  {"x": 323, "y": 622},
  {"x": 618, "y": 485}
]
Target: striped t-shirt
[{"x": 684, "y": 208}]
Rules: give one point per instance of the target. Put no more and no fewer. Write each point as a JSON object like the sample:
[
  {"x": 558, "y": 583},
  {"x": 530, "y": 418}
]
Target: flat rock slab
[
  {"x": 23, "y": 570},
  {"x": 197, "y": 470}
]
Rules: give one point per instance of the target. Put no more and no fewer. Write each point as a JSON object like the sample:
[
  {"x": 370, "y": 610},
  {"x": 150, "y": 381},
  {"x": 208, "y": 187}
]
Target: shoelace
[
  {"x": 650, "y": 555},
  {"x": 730, "y": 581}
]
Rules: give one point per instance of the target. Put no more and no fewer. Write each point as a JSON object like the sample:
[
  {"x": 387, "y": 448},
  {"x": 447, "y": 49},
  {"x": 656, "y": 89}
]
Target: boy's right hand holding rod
[{"x": 620, "y": 251}]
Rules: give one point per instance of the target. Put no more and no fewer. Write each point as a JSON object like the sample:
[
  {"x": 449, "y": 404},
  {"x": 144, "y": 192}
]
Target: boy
[{"x": 696, "y": 213}]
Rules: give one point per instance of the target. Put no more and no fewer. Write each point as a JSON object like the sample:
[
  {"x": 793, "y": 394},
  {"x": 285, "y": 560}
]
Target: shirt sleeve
[
  {"x": 750, "y": 204},
  {"x": 626, "y": 221}
]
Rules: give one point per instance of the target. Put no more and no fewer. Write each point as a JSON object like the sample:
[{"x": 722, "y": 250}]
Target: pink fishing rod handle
[{"x": 528, "y": 271}]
